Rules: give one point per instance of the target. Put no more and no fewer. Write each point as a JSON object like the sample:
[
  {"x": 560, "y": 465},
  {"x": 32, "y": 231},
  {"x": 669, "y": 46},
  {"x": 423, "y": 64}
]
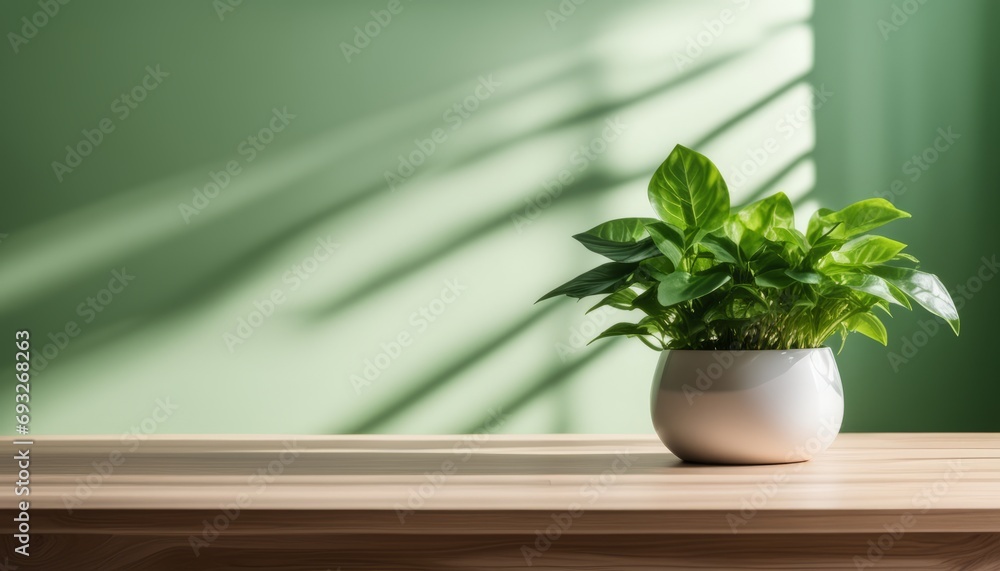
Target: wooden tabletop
[{"x": 626, "y": 484}]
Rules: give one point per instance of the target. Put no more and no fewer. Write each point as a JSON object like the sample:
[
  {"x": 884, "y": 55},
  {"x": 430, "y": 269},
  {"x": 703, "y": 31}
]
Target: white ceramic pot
[{"x": 747, "y": 407}]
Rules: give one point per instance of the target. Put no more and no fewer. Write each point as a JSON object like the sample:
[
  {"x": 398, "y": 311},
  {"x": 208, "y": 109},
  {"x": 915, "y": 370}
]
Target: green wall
[
  {"x": 903, "y": 76},
  {"x": 261, "y": 307}
]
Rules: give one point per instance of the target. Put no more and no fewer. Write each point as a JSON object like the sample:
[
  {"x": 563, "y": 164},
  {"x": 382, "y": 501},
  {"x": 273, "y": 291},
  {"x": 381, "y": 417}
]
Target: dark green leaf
[
  {"x": 621, "y": 299},
  {"x": 682, "y": 286},
  {"x": 724, "y": 249},
  {"x": 626, "y": 329},
  {"x": 804, "y": 277},
  {"x": 605, "y": 278},
  {"x": 774, "y": 278},
  {"x": 620, "y": 240},
  {"x": 658, "y": 268},
  {"x": 620, "y": 251},
  {"x": 668, "y": 239}
]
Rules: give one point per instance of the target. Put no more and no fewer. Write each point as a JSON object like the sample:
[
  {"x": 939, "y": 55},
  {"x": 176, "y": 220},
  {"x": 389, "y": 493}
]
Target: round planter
[{"x": 747, "y": 407}]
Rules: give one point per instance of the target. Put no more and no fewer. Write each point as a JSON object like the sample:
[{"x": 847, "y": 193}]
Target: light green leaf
[
  {"x": 605, "y": 278},
  {"x": 818, "y": 227},
  {"x": 856, "y": 219},
  {"x": 925, "y": 288},
  {"x": 872, "y": 285},
  {"x": 792, "y": 236},
  {"x": 870, "y": 326},
  {"x": 682, "y": 286},
  {"x": 767, "y": 215},
  {"x": 867, "y": 250},
  {"x": 688, "y": 191}
]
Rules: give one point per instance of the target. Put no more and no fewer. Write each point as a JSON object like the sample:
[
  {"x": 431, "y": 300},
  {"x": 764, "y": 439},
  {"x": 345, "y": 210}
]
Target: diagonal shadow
[
  {"x": 584, "y": 187},
  {"x": 768, "y": 184},
  {"x": 547, "y": 380},
  {"x": 439, "y": 378}
]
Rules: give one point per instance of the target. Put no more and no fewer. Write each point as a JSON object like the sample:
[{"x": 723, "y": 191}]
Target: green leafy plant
[{"x": 704, "y": 276}]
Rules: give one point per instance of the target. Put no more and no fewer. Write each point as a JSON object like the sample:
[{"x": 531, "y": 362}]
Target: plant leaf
[
  {"x": 605, "y": 278},
  {"x": 620, "y": 251},
  {"x": 621, "y": 299},
  {"x": 774, "y": 278},
  {"x": 625, "y": 328},
  {"x": 767, "y": 215},
  {"x": 680, "y": 286},
  {"x": 792, "y": 236},
  {"x": 668, "y": 239},
  {"x": 658, "y": 268},
  {"x": 620, "y": 240},
  {"x": 688, "y": 191},
  {"x": 867, "y": 250},
  {"x": 804, "y": 277},
  {"x": 724, "y": 249},
  {"x": 853, "y": 220},
  {"x": 620, "y": 229},
  {"x": 873, "y": 285},
  {"x": 870, "y": 326},
  {"x": 925, "y": 288}
]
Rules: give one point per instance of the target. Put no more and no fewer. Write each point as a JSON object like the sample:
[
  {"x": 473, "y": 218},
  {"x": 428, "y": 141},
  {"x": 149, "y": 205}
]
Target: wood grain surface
[{"x": 898, "y": 501}]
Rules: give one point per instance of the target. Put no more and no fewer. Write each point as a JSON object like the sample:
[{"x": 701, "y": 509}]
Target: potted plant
[{"x": 740, "y": 304}]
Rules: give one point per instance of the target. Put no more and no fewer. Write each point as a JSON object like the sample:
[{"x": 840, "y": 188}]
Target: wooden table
[{"x": 899, "y": 501}]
